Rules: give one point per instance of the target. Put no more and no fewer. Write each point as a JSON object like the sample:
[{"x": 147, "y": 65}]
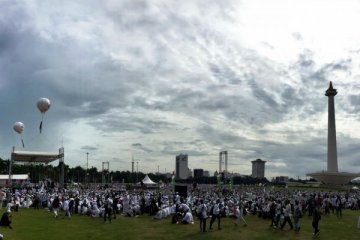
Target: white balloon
[
  {"x": 19, "y": 127},
  {"x": 43, "y": 104}
]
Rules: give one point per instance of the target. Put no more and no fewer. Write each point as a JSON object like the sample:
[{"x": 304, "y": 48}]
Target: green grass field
[{"x": 41, "y": 225}]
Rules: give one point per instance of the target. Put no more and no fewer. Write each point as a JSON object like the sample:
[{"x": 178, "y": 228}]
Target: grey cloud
[
  {"x": 224, "y": 73},
  {"x": 90, "y": 148},
  {"x": 263, "y": 96},
  {"x": 297, "y": 36},
  {"x": 141, "y": 147},
  {"x": 113, "y": 123},
  {"x": 354, "y": 103},
  {"x": 136, "y": 145}
]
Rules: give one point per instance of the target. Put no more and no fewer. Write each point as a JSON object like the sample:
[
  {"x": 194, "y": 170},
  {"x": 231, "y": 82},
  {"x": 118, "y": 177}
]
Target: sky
[{"x": 153, "y": 79}]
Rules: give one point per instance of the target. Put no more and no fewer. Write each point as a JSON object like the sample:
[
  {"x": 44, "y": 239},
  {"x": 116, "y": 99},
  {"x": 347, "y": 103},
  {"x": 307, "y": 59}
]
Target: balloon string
[
  {"x": 42, "y": 118},
  {"x": 22, "y": 141}
]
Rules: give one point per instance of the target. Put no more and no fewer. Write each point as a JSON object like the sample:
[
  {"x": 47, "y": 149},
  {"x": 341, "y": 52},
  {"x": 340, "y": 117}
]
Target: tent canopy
[
  {"x": 147, "y": 180},
  {"x": 14, "y": 177},
  {"x": 35, "y": 157}
]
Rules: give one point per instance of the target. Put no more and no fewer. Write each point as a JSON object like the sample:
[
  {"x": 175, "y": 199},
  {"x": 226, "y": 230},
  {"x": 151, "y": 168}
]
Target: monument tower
[
  {"x": 332, "y": 175},
  {"x": 332, "y": 165}
]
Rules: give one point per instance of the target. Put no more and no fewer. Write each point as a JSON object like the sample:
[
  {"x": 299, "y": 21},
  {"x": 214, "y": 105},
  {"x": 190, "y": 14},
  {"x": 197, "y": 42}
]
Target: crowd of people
[{"x": 280, "y": 207}]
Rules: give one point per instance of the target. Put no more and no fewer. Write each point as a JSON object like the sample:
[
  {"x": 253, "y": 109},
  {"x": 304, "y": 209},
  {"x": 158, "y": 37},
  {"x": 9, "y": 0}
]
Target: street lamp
[
  {"x": 87, "y": 167},
  {"x": 87, "y": 161},
  {"x": 137, "y": 170}
]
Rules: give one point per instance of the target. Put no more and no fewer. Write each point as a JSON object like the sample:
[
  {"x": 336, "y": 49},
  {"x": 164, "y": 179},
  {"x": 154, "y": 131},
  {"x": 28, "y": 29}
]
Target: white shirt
[
  {"x": 188, "y": 217},
  {"x": 66, "y": 205},
  {"x": 216, "y": 209}
]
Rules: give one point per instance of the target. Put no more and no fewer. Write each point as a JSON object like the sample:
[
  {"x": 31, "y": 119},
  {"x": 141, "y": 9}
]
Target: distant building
[
  {"x": 281, "y": 179},
  {"x": 181, "y": 166},
  {"x": 206, "y": 174},
  {"x": 258, "y": 168},
  {"x": 198, "y": 173}
]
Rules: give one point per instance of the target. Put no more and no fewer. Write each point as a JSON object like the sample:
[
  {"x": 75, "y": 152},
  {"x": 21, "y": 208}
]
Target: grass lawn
[{"x": 40, "y": 225}]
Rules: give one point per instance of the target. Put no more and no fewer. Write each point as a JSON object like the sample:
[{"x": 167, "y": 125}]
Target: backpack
[
  {"x": 199, "y": 211},
  {"x": 298, "y": 213},
  {"x": 212, "y": 210}
]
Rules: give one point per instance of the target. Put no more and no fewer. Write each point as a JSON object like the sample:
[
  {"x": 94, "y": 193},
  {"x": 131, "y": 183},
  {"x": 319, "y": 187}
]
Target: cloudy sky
[{"x": 156, "y": 78}]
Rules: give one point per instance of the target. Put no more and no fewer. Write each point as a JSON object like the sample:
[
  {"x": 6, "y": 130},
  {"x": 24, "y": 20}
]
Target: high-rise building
[
  {"x": 181, "y": 166},
  {"x": 258, "y": 168},
  {"x": 223, "y": 158}
]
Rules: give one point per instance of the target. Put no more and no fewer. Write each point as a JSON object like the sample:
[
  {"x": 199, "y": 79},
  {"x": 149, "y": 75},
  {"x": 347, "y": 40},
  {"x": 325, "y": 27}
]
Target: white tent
[
  {"x": 148, "y": 181},
  {"x": 18, "y": 178}
]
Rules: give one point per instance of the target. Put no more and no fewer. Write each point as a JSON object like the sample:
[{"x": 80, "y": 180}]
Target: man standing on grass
[
  {"x": 297, "y": 216},
  {"x": 108, "y": 208},
  {"x": 316, "y": 219},
  {"x": 287, "y": 215},
  {"x": 338, "y": 206},
  {"x": 215, "y": 214},
  {"x": 66, "y": 208},
  {"x": 56, "y": 205},
  {"x": 203, "y": 215}
]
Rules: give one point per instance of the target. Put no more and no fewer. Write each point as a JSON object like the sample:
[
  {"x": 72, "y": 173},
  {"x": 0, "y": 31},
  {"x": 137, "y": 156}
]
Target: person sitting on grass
[
  {"x": 188, "y": 218},
  {"x": 5, "y": 220}
]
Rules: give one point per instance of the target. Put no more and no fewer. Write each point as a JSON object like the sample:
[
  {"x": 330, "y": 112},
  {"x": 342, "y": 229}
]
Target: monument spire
[
  {"x": 332, "y": 175},
  {"x": 332, "y": 164}
]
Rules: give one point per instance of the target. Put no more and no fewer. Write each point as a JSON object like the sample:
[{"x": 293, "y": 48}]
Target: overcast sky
[{"x": 154, "y": 79}]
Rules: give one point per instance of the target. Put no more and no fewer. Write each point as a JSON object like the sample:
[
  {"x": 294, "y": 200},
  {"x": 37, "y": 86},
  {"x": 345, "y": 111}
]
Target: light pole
[
  {"x": 87, "y": 161},
  {"x": 137, "y": 170},
  {"x": 87, "y": 167}
]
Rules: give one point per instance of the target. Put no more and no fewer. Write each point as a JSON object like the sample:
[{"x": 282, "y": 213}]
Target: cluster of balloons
[{"x": 43, "y": 104}]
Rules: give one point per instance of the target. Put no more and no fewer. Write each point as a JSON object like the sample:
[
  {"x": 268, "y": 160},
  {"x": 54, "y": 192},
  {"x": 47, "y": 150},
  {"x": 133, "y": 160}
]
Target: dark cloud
[
  {"x": 141, "y": 147},
  {"x": 89, "y": 148},
  {"x": 354, "y": 103}
]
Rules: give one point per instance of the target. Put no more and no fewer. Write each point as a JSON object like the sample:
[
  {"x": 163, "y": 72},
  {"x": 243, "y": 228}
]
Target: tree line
[{"x": 78, "y": 174}]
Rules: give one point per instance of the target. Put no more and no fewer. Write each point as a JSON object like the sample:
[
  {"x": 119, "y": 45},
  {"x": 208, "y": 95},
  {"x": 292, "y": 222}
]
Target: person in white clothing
[
  {"x": 215, "y": 214},
  {"x": 202, "y": 209},
  {"x": 188, "y": 218},
  {"x": 2, "y": 197},
  {"x": 238, "y": 212},
  {"x": 66, "y": 208},
  {"x": 287, "y": 215}
]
